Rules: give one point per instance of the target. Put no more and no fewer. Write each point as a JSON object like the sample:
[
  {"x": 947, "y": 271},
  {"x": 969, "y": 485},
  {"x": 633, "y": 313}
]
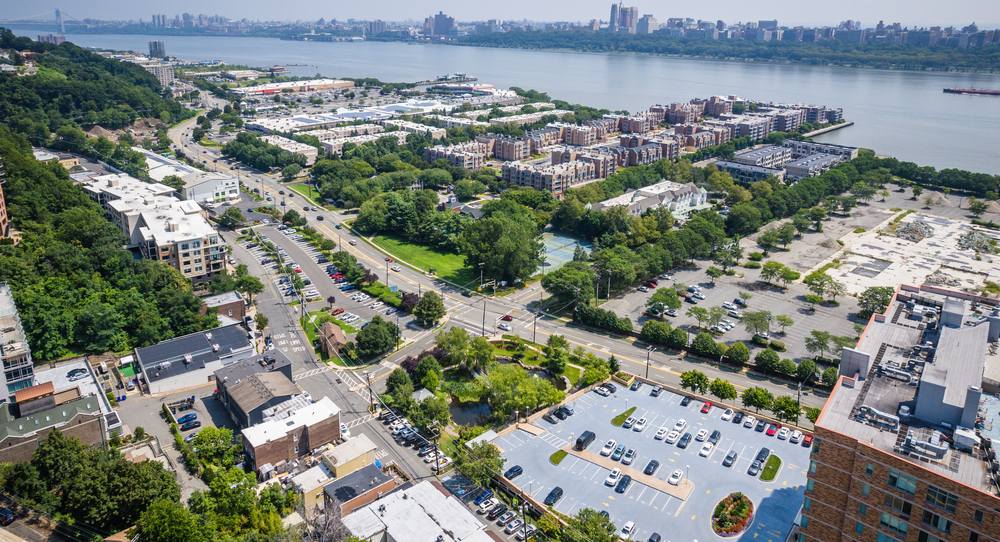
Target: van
[{"x": 585, "y": 439}]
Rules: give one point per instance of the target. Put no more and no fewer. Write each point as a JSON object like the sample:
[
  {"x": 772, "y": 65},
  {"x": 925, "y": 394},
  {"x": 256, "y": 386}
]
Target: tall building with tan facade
[
  {"x": 554, "y": 178},
  {"x": 898, "y": 455}
]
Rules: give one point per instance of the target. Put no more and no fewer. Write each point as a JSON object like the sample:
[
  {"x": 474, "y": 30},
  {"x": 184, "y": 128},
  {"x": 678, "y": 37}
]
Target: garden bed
[
  {"x": 733, "y": 515},
  {"x": 620, "y": 419}
]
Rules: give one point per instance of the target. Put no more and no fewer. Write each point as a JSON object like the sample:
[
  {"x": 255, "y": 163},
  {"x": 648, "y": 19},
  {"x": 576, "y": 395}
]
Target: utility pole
[
  {"x": 484, "y": 316},
  {"x": 538, "y": 309},
  {"x": 648, "y": 351},
  {"x": 371, "y": 393},
  {"x": 480, "y": 276},
  {"x": 387, "y": 273}
]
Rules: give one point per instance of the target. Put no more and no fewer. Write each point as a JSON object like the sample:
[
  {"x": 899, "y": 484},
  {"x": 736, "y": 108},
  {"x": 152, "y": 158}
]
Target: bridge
[{"x": 56, "y": 16}]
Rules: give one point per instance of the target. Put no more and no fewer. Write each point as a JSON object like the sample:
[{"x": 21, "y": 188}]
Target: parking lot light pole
[
  {"x": 648, "y": 351},
  {"x": 688, "y": 472}
]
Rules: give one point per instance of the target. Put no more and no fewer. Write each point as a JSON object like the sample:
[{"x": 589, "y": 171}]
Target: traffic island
[{"x": 733, "y": 515}]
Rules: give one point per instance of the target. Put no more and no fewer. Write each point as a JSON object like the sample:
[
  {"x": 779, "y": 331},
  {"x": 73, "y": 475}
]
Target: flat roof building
[
  {"x": 747, "y": 174},
  {"x": 358, "y": 489},
  {"x": 430, "y": 132},
  {"x": 291, "y": 434},
  {"x": 191, "y": 360},
  {"x": 251, "y": 386},
  {"x": 308, "y": 151},
  {"x": 554, "y": 178},
  {"x": 15, "y": 353},
  {"x": 812, "y": 165},
  {"x": 771, "y": 156},
  {"x": 311, "y": 85}
]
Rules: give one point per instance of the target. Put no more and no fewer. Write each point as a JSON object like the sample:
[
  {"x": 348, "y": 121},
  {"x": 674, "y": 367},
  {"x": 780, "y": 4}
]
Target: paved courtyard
[{"x": 777, "y": 502}]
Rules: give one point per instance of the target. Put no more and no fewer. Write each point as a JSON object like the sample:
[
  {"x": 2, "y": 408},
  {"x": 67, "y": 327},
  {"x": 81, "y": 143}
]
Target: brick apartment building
[
  {"x": 640, "y": 155},
  {"x": 292, "y": 435},
  {"x": 545, "y": 137},
  {"x": 554, "y": 178},
  {"x": 470, "y": 155},
  {"x": 603, "y": 127},
  {"x": 508, "y": 149},
  {"x": 896, "y": 457},
  {"x": 717, "y": 106},
  {"x": 699, "y": 140},
  {"x": 604, "y": 165}
]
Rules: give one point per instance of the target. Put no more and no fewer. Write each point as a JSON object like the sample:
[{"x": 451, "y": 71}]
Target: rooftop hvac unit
[
  {"x": 215, "y": 348},
  {"x": 164, "y": 366}
]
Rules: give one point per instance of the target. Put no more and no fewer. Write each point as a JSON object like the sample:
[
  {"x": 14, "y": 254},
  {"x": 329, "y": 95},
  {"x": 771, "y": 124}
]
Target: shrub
[
  {"x": 859, "y": 230},
  {"x": 752, "y": 265},
  {"x": 593, "y": 316},
  {"x": 730, "y": 272},
  {"x": 759, "y": 341},
  {"x": 777, "y": 346},
  {"x": 813, "y": 299},
  {"x": 756, "y": 256}
]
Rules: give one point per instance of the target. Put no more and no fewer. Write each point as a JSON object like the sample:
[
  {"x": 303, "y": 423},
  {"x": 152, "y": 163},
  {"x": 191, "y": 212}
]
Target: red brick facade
[{"x": 295, "y": 444}]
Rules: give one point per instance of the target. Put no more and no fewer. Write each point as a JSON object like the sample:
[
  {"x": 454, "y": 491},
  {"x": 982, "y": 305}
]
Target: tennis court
[{"x": 559, "y": 249}]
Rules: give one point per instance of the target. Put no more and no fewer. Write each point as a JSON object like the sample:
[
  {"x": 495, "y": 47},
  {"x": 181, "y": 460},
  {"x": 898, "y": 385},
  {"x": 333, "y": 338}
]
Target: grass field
[
  {"x": 449, "y": 266},
  {"x": 313, "y": 335},
  {"x": 305, "y": 191},
  {"x": 770, "y": 468}
]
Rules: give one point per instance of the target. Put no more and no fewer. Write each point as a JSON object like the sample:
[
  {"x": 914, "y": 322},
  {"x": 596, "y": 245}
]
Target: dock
[
  {"x": 439, "y": 81},
  {"x": 829, "y": 129}
]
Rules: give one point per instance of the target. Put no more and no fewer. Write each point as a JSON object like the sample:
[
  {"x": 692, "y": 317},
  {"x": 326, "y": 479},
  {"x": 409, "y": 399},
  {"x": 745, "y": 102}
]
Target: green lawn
[
  {"x": 557, "y": 457},
  {"x": 313, "y": 335},
  {"x": 305, "y": 191},
  {"x": 573, "y": 374},
  {"x": 770, "y": 468},
  {"x": 620, "y": 419},
  {"x": 449, "y": 266}
]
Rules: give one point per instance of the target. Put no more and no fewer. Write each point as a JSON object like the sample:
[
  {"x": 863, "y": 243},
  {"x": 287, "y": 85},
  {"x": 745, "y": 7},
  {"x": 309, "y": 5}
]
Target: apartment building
[
  {"x": 771, "y": 156},
  {"x": 603, "y": 127},
  {"x": 604, "y": 164},
  {"x": 292, "y": 435},
  {"x": 164, "y": 73},
  {"x": 811, "y": 165},
  {"x": 470, "y": 155},
  {"x": 544, "y": 137},
  {"x": 349, "y": 130},
  {"x": 554, "y": 178},
  {"x": 677, "y": 197},
  {"x": 804, "y": 148},
  {"x": 444, "y": 121},
  {"x": 747, "y": 174},
  {"x": 336, "y": 146},
  {"x": 15, "y": 353},
  {"x": 669, "y": 144},
  {"x": 430, "y": 132},
  {"x": 528, "y": 118},
  {"x": 789, "y": 120},
  {"x": 4, "y": 219},
  {"x": 896, "y": 455},
  {"x": 308, "y": 151},
  {"x": 716, "y": 106},
  {"x": 160, "y": 226},
  {"x": 755, "y": 127},
  {"x": 508, "y": 149},
  {"x": 640, "y": 155},
  {"x": 699, "y": 140}
]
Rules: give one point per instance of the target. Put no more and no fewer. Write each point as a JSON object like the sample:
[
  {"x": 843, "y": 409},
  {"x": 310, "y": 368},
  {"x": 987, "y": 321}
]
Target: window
[
  {"x": 810, "y": 484},
  {"x": 186, "y": 255},
  {"x": 977, "y": 516},
  {"x": 936, "y": 521},
  {"x": 897, "y": 504},
  {"x": 197, "y": 260},
  {"x": 894, "y": 524},
  {"x": 973, "y": 536},
  {"x": 805, "y": 522},
  {"x": 869, "y": 469},
  {"x": 924, "y": 537},
  {"x": 807, "y": 503},
  {"x": 296, "y": 449},
  {"x": 295, "y": 438},
  {"x": 902, "y": 481},
  {"x": 859, "y": 527},
  {"x": 812, "y": 467},
  {"x": 866, "y": 489},
  {"x": 184, "y": 246},
  {"x": 862, "y": 509},
  {"x": 815, "y": 448},
  {"x": 882, "y": 537},
  {"x": 941, "y": 499}
]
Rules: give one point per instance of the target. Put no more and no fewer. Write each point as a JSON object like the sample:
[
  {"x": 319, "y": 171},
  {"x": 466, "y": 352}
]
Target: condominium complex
[
  {"x": 413, "y": 128},
  {"x": 444, "y": 121},
  {"x": 505, "y": 148},
  {"x": 553, "y": 178},
  {"x": 160, "y": 226},
  {"x": 604, "y": 164},
  {"x": 164, "y": 72},
  {"x": 746, "y": 174},
  {"x": 294, "y": 147},
  {"x": 768, "y": 156},
  {"x": 18, "y": 369},
  {"x": 812, "y": 165},
  {"x": 675, "y": 196},
  {"x": 336, "y": 146},
  {"x": 528, "y": 118},
  {"x": 469, "y": 155},
  {"x": 902, "y": 452}
]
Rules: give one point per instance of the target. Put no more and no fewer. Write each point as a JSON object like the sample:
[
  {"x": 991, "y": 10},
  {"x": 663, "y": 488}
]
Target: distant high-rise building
[
  {"x": 443, "y": 24},
  {"x": 51, "y": 38},
  {"x": 375, "y": 27},
  {"x": 720, "y": 25},
  {"x": 628, "y": 18},
  {"x": 767, "y": 25},
  {"x": 157, "y": 49},
  {"x": 647, "y": 25},
  {"x": 613, "y": 21},
  {"x": 18, "y": 369}
]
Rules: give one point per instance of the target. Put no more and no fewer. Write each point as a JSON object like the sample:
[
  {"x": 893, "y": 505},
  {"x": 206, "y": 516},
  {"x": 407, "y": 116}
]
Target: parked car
[
  {"x": 796, "y": 436},
  {"x": 629, "y": 423},
  {"x": 738, "y": 418},
  {"x": 617, "y": 454},
  {"x": 514, "y": 526},
  {"x": 506, "y": 517},
  {"x": 706, "y": 408},
  {"x": 187, "y": 418},
  {"x": 6, "y": 516},
  {"x": 783, "y": 433},
  {"x": 731, "y": 458},
  {"x": 629, "y": 457},
  {"x": 750, "y": 421},
  {"x": 807, "y": 440},
  {"x": 739, "y": 301},
  {"x": 610, "y": 387},
  {"x": 672, "y": 437},
  {"x": 761, "y": 426},
  {"x": 526, "y": 532},
  {"x": 680, "y": 425},
  {"x": 676, "y": 477},
  {"x": 602, "y": 391},
  {"x": 487, "y": 505},
  {"x": 727, "y": 415},
  {"x": 612, "y": 478},
  {"x": 698, "y": 295},
  {"x": 729, "y": 306},
  {"x": 608, "y": 448},
  {"x": 190, "y": 425},
  {"x": 623, "y": 484},
  {"x": 702, "y": 435},
  {"x": 734, "y": 314},
  {"x": 671, "y": 312},
  {"x": 553, "y": 497},
  {"x": 643, "y": 289},
  {"x": 651, "y": 467},
  {"x": 485, "y": 495},
  {"x": 635, "y": 385},
  {"x": 754, "y": 469},
  {"x": 686, "y": 401},
  {"x": 657, "y": 390},
  {"x": 497, "y": 511},
  {"x": 627, "y": 531},
  {"x": 685, "y": 440},
  {"x": 639, "y": 425},
  {"x": 513, "y": 472},
  {"x": 772, "y": 429}
]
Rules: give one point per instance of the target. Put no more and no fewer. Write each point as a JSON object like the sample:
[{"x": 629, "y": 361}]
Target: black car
[
  {"x": 6, "y": 516},
  {"x": 635, "y": 385},
  {"x": 739, "y": 301},
  {"x": 691, "y": 300},
  {"x": 466, "y": 294},
  {"x": 611, "y": 387},
  {"x": 651, "y": 467},
  {"x": 761, "y": 425},
  {"x": 686, "y": 401},
  {"x": 604, "y": 513},
  {"x": 497, "y": 511},
  {"x": 738, "y": 417},
  {"x": 684, "y": 441},
  {"x": 716, "y": 435},
  {"x": 730, "y": 459},
  {"x": 190, "y": 425},
  {"x": 513, "y": 472},
  {"x": 623, "y": 484},
  {"x": 560, "y": 413},
  {"x": 567, "y": 409},
  {"x": 762, "y": 454},
  {"x": 553, "y": 497}
]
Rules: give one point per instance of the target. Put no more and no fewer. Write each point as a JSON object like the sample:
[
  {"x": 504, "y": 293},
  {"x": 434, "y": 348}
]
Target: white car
[
  {"x": 630, "y": 422},
  {"x": 673, "y": 436},
  {"x": 729, "y": 306},
  {"x": 783, "y": 433},
  {"x": 488, "y": 505},
  {"x": 613, "y": 477},
  {"x": 702, "y": 435},
  {"x": 609, "y": 448},
  {"x": 661, "y": 433},
  {"x": 344, "y": 431},
  {"x": 680, "y": 425},
  {"x": 602, "y": 391},
  {"x": 734, "y": 314},
  {"x": 706, "y": 449},
  {"x": 445, "y": 461},
  {"x": 796, "y": 437},
  {"x": 750, "y": 421},
  {"x": 504, "y": 326},
  {"x": 727, "y": 415},
  {"x": 639, "y": 425},
  {"x": 395, "y": 268},
  {"x": 676, "y": 477},
  {"x": 698, "y": 295},
  {"x": 627, "y": 531},
  {"x": 727, "y": 323}
]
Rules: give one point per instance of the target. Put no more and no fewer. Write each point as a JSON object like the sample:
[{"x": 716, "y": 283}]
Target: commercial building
[
  {"x": 15, "y": 353},
  {"x": 413, "y": 128},
  {"x": 469, "y": 155},
  {"x": 812, "y": 165},
  {"x": 770, "y": 156},
  {"x": 157, "y": 49},
  {"x": 350, "y": 130},
  {"x": 210, "y": 188},
  {"x": 245, "y": 402},
  {"x": 422, "y": 512},
  {"x": 554, "y": 178},
  {"x": 746, "y": 174},
  {"x": 351, "y": 455},
  {"x": 308, "y": 151},
  {"x": 191, "y": 360},
  {"x": 65, "y": 159},
  {"x": 674, "y": 196},
  {"x": 311, "y": 85},
  {"x": 358, "y": 489},
  {"x": 160, "y": 226},
  {"x": 229, "y": 305},
  {"x": 647, "y": 25},
  {"x": 898, "y": 455},
  {"x": 336, "y": 146},
  {"x": 292, "y": 435}
]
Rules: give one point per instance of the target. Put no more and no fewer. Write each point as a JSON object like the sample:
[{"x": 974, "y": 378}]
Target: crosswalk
[
  {"x": 553, "y": 440},
  {"x": 358, "y": 421}
]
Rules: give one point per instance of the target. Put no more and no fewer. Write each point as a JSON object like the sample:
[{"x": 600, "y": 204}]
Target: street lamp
[
  {"x": 480, "y": 276},
  {"x": 688, "y": 472},
  {"x": 648, "y": 351}
]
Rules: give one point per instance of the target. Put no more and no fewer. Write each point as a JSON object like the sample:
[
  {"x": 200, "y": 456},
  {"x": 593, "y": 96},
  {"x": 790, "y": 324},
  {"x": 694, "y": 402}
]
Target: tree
[
  {"x": 290, "y": 171},
  {"x": 169, "y": 521},
  {"x": 757, "y": 322},
  {"x": 783, "y": 321},
  {"x": 768, "y": 240},
  {"x": 874, "y": 300},
  {"x": 376, "y": 338},
  {"x": 556, "y": 342},
  {"x": 396, "y": 380},
  {"x": 978, "y": 207},
  {"x": 858, "y": 330},
  {"x": 597, "y": 371},
  {"x": 455, "y": 341},
  {"x": 614, "y": 365},
  {"x": 801, "y": 223},
  {"x": 261, "y": 320},
  {"x": 704, "y": 345},
  {"x": 817, "y": 215},
  {"x": 715, "y": 315},
  {"x": 231, "y": 218},
  {"x": 789, "y": 275},
  {"x": 863, "y": 191},
  {"x": 427, "y": 365},
  {"x": 884, "y": 194},
  {"x": 695, "y": 381},
  {"x": 806, "y": 370},
  {"x": 738, "y": 353},
  {"x": 698, "y": 313},
  {"x": 746, "y": 296},
  {"x": 714, "y": 273},
  {"x": 481, "y": 354},
  {"x": 917, "y": 190},
  {"x": 818, "y": 341},
  {"x": 664, "y": 298},
  {"x": 929, "y": 201},
  {"x": 331, "y": 300},
  {"x": 757, "y": 398},
  {"x": 429, "y": 309},
  {"x": 786, "y": 408},
  {"x": 725, "y": 258},
  {"x": 556, "y": 362},
  {"x": 250, "y": 285},
  {"x": 723, "y": 389},
  {"x": 767, "y": 360},
  {"x": 509, "y": 246},
  {"x": 771, "y": 271},
  {"x": 571, "y": 282},
  {"x": 588, "y": 525},
  {"x": 830, "y": 375},
  {"x": 480, "y": 463},
  {"x": 786, "y": 233},
  {"x": 293, "y": 218}
]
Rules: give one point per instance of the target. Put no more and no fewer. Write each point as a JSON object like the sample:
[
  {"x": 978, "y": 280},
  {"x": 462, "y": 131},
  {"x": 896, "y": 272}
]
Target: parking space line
[{"x": 644, "y": 488}]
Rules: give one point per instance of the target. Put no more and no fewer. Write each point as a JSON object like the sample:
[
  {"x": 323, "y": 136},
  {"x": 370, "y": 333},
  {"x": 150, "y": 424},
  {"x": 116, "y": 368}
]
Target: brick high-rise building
[
  {"x": 4, "y": 220},
  {"x": 897, "y": 456}
]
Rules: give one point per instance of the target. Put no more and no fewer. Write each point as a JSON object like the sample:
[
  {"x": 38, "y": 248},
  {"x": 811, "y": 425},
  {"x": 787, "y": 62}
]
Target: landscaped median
[
  {"x": 557, "y": 457},
  {"x": 620, "y": 419},
  {"x": 771, "y": 468}
]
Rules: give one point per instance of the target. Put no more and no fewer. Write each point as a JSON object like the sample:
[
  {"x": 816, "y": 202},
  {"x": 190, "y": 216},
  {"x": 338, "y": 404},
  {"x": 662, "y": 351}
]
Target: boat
[{"x": 972, "y": 91}]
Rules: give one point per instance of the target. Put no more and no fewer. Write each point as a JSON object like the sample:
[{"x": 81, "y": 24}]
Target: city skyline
[{"x": 921, "y": 13}]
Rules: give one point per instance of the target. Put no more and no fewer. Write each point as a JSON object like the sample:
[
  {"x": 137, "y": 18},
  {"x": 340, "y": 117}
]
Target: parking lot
[{"x": 653, "y": 510}]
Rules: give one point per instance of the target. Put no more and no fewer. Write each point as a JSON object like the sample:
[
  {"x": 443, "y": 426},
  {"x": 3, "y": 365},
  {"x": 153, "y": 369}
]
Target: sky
[{"x": 910, "y": 13}]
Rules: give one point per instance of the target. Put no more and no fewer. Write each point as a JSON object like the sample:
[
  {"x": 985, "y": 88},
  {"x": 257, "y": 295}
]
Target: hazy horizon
[{"x": 909, "y": 13}]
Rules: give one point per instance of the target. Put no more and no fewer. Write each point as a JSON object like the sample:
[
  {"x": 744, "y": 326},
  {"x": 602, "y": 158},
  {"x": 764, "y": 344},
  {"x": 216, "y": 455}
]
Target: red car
[
  {"x": 337, "y": 276},
  {"x": 772, "y": 429},
  {"x": 506, "y": 318},
  {"x": 297, "y": 270},
  {"x": 706, "y": 407},
  {"x": 807, "y": 440},
  {"x": 337, "y": 311},
  {"x": 389, "y": 259}
]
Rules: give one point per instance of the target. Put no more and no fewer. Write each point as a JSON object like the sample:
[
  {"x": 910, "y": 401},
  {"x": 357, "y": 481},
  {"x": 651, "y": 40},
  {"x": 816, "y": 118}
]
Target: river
[{"x": 898, "y": 113}]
